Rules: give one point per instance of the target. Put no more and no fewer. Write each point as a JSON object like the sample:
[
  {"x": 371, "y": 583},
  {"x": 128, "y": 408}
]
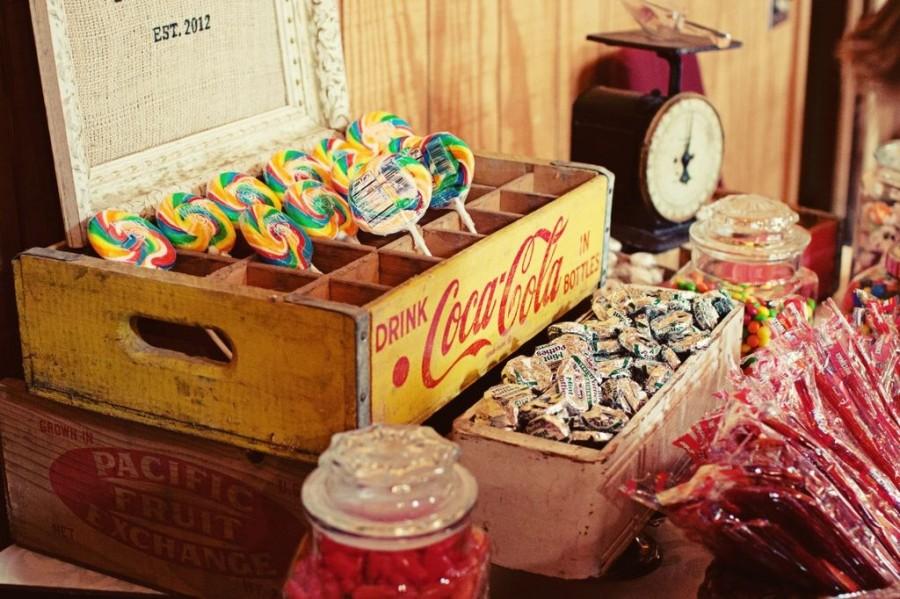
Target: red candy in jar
[
  {"x": 750, "y": 247},
  {"x": 389, "y": 508}
]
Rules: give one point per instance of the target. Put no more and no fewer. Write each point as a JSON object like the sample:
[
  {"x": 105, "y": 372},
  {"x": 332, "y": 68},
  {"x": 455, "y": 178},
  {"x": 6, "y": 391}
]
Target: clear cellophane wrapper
[{"x": 798, "y": 472}]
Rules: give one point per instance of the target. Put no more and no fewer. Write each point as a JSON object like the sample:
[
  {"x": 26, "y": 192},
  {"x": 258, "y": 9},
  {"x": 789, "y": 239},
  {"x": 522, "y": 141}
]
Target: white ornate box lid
[{"x": 147, "y": 97}]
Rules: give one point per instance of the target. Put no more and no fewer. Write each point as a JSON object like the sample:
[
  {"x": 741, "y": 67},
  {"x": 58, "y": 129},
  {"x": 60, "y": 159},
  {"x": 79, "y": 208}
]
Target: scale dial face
[{"x": 681, "y": 159}]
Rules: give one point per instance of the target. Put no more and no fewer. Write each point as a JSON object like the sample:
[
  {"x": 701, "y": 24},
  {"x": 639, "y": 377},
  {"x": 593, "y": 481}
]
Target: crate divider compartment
[
  {"x": 493, "y": 171},
  {"x": 511, "y": 202},
  {"x": 331, "y": 289},
  {"x": 550, "y": 180},
  {"x": 386, "y": 267},
  {"x": 486, "y": 221},
  {"x": 477, "y": 190},
  {"x": 330, "y": 255},
  {"x": 200, "y": 264},
  {"x": 441, "y": 243}
]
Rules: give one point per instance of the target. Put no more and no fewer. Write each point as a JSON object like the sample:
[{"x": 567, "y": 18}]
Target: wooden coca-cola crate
[
  {"x": 557, "y": 509},
  {"x": 383, "y": 334},
  {"x": 162, "y": 509}
]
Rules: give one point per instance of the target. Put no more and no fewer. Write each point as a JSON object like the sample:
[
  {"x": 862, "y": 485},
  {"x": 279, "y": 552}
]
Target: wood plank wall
[{"x": 503, "y": 74}]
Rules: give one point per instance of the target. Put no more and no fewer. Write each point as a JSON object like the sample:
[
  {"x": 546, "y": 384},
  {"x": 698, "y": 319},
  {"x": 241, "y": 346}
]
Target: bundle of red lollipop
[{"x": 798, "y": 473}]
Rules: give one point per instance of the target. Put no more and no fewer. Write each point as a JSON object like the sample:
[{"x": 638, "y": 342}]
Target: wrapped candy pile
[
  {"x": 798, "y": 474},
  {"x": 594, "y": 374}
]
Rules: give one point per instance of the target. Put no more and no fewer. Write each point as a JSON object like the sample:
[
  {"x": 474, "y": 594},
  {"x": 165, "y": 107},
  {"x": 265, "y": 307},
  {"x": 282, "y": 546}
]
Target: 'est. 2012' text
[{"x": 176, "y": 29}]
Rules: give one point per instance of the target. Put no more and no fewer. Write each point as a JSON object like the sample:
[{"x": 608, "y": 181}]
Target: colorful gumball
[
  {"x": 235, "y": 192},
  {"x": 126, "y": 237},
  {"x": 452, "y": 167},
  {"x": 324, "y": 151},
  {"x": 372, "y": 131},
  {"x": 275, "y": 237},
  {"x": 343, "y": 162},
  {"x": 288, "y": 166},
  {"x": 195, "y": 223},
  {"x": 319, "y": 211},
  {"x": 390, "y": 194}
]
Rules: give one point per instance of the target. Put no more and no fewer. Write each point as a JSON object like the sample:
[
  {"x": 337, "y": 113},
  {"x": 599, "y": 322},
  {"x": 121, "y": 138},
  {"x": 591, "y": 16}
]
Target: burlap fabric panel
[{"x": 154, "y": 71}]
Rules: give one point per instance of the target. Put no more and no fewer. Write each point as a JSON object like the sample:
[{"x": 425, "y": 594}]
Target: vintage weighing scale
[{"x": 666, "y": 151}]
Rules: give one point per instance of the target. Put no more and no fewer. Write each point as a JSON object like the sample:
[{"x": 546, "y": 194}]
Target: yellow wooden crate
[{"x": 383, "y": 335}]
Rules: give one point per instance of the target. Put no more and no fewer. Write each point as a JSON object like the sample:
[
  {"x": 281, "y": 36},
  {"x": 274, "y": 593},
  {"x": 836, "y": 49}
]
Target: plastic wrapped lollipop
[
  {"x": 409, "y": 143},
  {"x": 195, "y": 223},
  {"x": 389, "y": 194},
  {"x": 289, "y": 166},
  {"x": 275, "y": 237},
  {"x": 320, "y": 211},
  {"x": 126, "y": 237},
  {"x": 372, "y": 131},
  {"x": 344, "y": 161},
  {"x": 235, "y": 192},
  {"x": 452, "y": 167}
]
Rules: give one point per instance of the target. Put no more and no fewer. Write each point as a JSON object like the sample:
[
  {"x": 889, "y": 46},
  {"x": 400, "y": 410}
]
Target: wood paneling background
[{"x": 503, "y": 74}]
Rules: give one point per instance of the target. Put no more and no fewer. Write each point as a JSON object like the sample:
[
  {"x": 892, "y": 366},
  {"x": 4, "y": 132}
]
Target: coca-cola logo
[
  {"x": 177, "y": 511},
  {"x": 474, "y": 310}
]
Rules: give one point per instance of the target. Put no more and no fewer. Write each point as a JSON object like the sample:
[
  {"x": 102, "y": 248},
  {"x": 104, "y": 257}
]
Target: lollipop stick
[
  {"x": 312, "y": 268},
  {"x": 419, "y": 240},
  {"x": 464, "y": 216},
  {"x": 219, "y": 343},
  {"x": 348, "y": 238}
]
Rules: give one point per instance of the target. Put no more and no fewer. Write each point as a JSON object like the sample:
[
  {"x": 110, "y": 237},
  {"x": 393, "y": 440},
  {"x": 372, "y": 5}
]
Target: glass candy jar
[
  {"x": 389, "y": 508},
  {"x": 750, "y": 246},
  {"x": 878, "y": 212},
  {"x": 881, "y": 281}
]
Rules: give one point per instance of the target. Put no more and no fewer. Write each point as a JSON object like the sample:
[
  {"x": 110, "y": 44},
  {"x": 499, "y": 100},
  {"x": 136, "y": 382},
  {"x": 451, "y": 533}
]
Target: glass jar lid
[
  {"x": 749, "y": 228},
  {"x": 888, "y": 158},
  {"x": 389, "y": 482},
  {"x": 892, "y": 261}
]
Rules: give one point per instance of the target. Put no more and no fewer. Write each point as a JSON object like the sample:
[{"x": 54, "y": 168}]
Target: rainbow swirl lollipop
[
  {"x": 324, "y": 151},
  {"x": 289, "y": 166},
  {"x": 452, "y": 167},
  {"x": 373, "y": 130},
  {"x": 275, "y": 237},
  {"x": 319, "y": 211},
  {"x": 343, "y": 163},
  {"x": 235, "y": 192},
  {"x": 408, "y": 143},
  {"x": 126, "y": 237},
  {"x": 194, "y": 223},
  {"x": 391, "y": 193}
]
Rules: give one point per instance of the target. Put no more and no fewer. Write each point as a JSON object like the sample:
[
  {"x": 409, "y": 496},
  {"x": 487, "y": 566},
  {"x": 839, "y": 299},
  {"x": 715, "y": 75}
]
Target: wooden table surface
[{"x": 678, "y": 577}]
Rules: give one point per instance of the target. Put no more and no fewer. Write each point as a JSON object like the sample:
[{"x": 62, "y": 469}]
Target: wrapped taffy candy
[
  {"x": 593, "y": 375},
  {"x": 796, "y": 475},
  {"x": 389, "y": 508}
]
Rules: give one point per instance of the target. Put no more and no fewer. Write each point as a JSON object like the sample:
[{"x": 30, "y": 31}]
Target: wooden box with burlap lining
[{"x": 147, "y": 98}]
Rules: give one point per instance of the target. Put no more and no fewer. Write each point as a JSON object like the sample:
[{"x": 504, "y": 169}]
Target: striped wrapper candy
[
  {"x": 324, "y": 151},
  {"x": 452, "y": 167},
  {"x": 390, "y": 194},
  {"x": 195, "y": 223},
  {"x": 276, "y": 238},
  {"x": 235, "y": 192},
  {"x": 289, "y": 166},
  {"x": 126, "y": 237},
  {"x": 345, "y": 160},
  {"x": 319, "y": 211},
  {"x": 374, "y": 130}
]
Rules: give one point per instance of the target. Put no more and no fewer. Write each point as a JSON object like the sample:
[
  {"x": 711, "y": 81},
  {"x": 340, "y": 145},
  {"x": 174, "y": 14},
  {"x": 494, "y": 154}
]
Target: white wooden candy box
[
  {"x": 148, "y": 98},
  {"x": 557, "y": 509}
]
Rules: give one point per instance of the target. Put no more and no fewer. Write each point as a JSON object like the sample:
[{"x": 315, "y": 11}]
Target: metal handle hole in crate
[{"x": 192, "y": 341}]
